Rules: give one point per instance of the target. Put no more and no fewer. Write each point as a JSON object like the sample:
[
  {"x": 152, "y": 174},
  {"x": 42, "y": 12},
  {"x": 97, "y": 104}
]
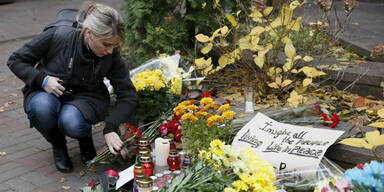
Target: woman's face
[{"x": 101, "y": 46}]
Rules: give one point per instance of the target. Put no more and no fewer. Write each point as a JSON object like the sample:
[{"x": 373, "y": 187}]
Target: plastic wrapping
[
  {"x": 169, "y": 65},
  {"x": 306, "y": 180}
]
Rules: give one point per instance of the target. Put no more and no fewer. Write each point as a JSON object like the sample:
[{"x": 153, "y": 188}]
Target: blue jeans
[{"x": 48, "y": 115}]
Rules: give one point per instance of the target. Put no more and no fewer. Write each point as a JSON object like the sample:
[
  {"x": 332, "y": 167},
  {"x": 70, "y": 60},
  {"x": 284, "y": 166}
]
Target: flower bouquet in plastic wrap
[{"x": 306, "y": 180}]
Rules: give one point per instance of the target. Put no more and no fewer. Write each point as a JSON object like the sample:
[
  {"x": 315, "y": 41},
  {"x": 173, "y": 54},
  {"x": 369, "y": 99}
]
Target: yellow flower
[
  {"x": 187, "y": 102},
  {"x": 213, "y": 120},
  {"x": 179, "y": 110},
  {"x": 211, "y": 106},
  {"x": 216, "y": 144},
  {"x": 224, "y": 107},
  {"x": 206, "y": 101},
  {"x": 189, "y": 116},
  {"x": 240, "y": 185},
  {"x": 207, "y": 155},
  {"x": 201, "y": 113},
  {"x": 193, "y": 108},
  {"x": 228, "y": 115}
]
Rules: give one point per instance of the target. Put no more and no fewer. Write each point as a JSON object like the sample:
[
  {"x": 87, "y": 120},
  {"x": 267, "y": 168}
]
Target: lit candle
[{"x": 161, "y": 151}]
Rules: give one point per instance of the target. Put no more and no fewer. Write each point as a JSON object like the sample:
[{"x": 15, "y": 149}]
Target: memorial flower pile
[
  {"x": 367, "y": 177},
  {"x": 221, "y": 168},
  {"x": 156, "y": 93},
  {"x": 203, "y": 121}
]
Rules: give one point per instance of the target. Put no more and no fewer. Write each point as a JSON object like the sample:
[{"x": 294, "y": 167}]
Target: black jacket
[{"x": 49, "y": 53}]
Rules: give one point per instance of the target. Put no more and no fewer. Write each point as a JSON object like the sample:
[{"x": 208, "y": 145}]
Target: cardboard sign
[{"x": 287, "y": 147}]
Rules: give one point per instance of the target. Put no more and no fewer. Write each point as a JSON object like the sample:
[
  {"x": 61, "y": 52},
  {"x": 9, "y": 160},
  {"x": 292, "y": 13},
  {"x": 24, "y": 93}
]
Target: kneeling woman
[{"x": 63, "y": 69}]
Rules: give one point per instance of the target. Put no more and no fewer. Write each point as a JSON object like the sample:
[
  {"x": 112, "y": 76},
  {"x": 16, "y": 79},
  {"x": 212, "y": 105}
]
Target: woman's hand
[
  {"x": 114, "y": 143},
  {"x": 54, "y": 86}
]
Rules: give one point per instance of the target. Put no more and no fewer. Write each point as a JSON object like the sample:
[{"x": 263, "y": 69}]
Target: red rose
[
  {"x": 176, "y": 117},
  {"x": 163, "y": 130},
  {"x": 138, "y": 133},
  {"x": 172, "y": 126},
  {"x": 325, "y": 118}
]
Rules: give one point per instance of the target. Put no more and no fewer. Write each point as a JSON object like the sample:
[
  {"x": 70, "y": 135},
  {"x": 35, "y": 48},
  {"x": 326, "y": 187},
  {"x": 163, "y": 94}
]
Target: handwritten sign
[{"x": 287, "y": 147}]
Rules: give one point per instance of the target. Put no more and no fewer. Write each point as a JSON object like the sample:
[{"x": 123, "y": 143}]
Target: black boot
[
  {"x": 87, "y": 149},
  {"x": 60, "y": 152}
]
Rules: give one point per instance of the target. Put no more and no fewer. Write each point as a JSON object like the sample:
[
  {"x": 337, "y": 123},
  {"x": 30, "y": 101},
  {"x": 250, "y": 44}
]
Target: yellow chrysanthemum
[
  {"x": 176, "y": 86},
  {"x": 189, "y": 117},
  {"x": 149, "y": 80},
  {"x": 224, "y": 107},
  {"x": 211, "y": 106},
  {"x": 193, "y": 108},
  {"x": 206, "y": 101},
  {"x": 201, "y": 113},
  {"x": 240, "y": 185},
  {"x": 213, "y": 120},
  {"x": 228, "y": 115},
  {"x": 187, "y": 102}
]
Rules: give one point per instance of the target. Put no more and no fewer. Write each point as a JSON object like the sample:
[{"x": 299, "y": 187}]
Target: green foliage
[{"x": 164, "y": 26}]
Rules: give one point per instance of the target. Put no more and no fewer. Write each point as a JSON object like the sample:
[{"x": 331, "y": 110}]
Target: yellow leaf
[
  {"x": 238, "y": 12},
  {"x": 202, "y": 38},
  {"x": 217, "y": 1},
  {"x": 225, "y": 60},
  {"x": 286, "y": 82},
  {"x": 286, "y": 40},
  {"x": 259, "y": 60},
  {"x": 295, "y": 99},
  {"x": 215, "y": 34},
  {"x": 295, "y": 25},
  {"x": 207, "y": 70},
  {"x": 374, "y": 138},
  {"x": 255, "y": 13},
  {"x": 294, "y": 71},
  {"x": 203, "y": 5},
  {"x": 2, "y": 153},
  {"x": 224, "y": 30},
  {"x": 290, "y": 51},
  {"x": 201, "y": 63},
  {"x": 287, "y": 66},
  {"x": 377, "y": 124},
  {"x": 275, "y": 23},
  {"x": 380, "y": 113},
  {"x": 307, "y": 81},
  {"x": 206, "y": 49},
  {"x": 273, "y": 85},
  {"x": 294, "y": 4},
  {"x": 245, "y": 43},
  {"x": 267, "y": 11},
  {"x": 66, "y": 187},
  {"x": 297, "y": 57},
  {"x": 82, "y": 173},
  {"x": 308, "y": 58},
  {"x": 286, "y": 14},
  {"x": 231, "y": 19},
  {"x": 354, "y": 142},
  {"x": 257, "y": 30}
]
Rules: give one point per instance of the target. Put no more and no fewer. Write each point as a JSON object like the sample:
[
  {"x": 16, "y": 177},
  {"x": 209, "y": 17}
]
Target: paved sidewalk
[{"x": 28, "y": 163}]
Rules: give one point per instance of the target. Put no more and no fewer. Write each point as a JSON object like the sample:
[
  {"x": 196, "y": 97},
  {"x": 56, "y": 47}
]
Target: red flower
[
  {"x": 335, "y": 120},
  {"x": 138, "y": 133},
  {"x": 91, "y": 183},
  {"x": 178, "y": 135},
  {"x": 172, "y": 126},
  {"x": 163, "y": 130},
  {"x": 204, "y": 94},
  {"x": 228, "y": 101},
  {"x": 360, "y": 166},
  {"x": 112, "y": 172},
  {"x": 176, "y": 117},
  {"x": 130, "y": 127}
]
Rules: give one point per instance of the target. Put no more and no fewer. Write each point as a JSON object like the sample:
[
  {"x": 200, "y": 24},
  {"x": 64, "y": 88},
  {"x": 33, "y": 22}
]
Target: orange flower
[
  {"x": 211, "y": 106},
  {"x": 189, "y": 116},
  {"x": 201, "y": 113},
  {"x": 213, "y": 120},
  {"x": 187, "y": 102}
]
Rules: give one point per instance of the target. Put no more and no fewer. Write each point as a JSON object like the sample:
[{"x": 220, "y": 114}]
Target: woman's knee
[
  {"x": 43, "y": 110},
  {"x": 72, "y": 122}
]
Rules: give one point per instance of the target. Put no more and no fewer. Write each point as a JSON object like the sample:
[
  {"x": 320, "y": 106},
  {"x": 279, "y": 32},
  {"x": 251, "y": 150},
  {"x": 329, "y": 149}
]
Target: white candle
[{"x": 161, "y": 151}]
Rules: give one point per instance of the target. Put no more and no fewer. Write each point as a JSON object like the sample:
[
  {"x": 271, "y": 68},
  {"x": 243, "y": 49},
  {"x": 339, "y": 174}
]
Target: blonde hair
[{"x": 104, "y": 21}]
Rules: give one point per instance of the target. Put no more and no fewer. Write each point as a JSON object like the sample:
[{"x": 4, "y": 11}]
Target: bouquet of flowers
[
  {"x": 368, "y": 177},
  {"x": 156, "y": 93},
  {"x": 203, "y": 121},
  {"x": 221, "y": 168}
]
